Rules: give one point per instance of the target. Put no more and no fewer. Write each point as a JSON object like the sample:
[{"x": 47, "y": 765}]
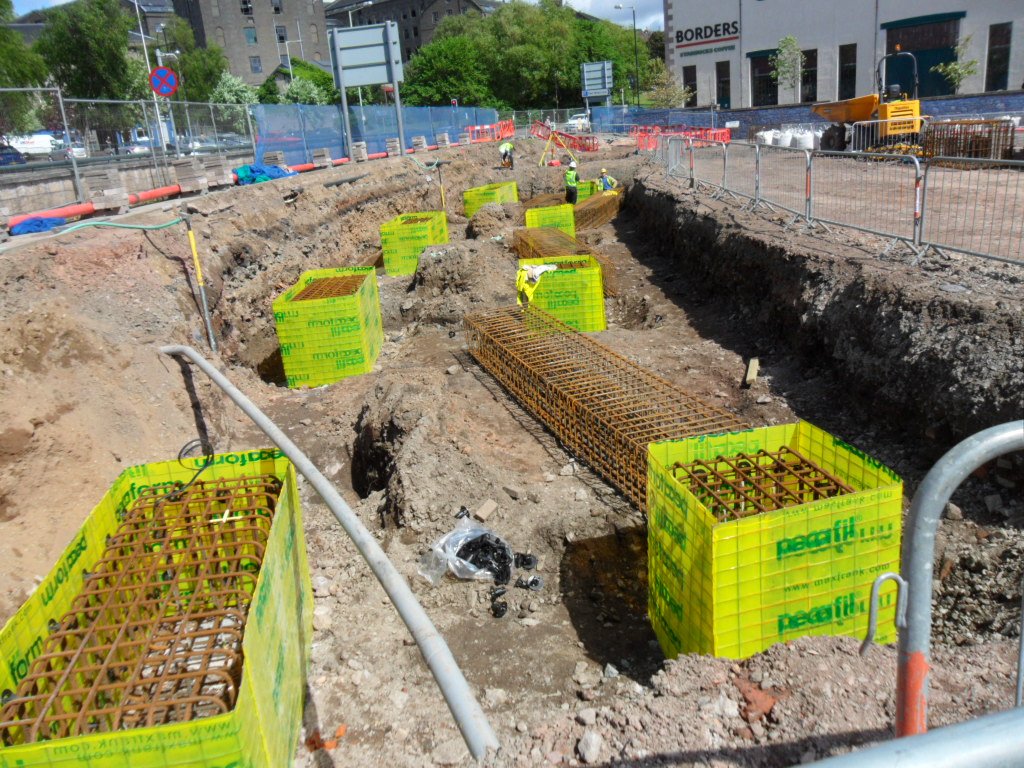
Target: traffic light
[{"x": 455, "y": 102}]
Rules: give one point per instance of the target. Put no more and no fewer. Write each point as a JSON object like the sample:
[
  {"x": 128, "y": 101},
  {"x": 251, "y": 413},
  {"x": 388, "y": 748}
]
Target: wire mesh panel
[
  {"x": 127, "y": 135},
  {"x": 677, "y": 161},
  {"x": 873, "y": 192},
  {"x": 975, "y": 206},
  {"x": 784, "y": 178},
  {"x": 155, "y": 635},
  {"x": 709, "y": 163},
  {"x": 603, "y": 407},
  {"x": 741, "y": 169}
]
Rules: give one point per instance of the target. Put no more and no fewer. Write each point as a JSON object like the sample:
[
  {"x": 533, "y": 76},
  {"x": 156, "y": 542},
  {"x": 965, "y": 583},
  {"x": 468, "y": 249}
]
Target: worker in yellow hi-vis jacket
[{"x": 571, "y": 183}]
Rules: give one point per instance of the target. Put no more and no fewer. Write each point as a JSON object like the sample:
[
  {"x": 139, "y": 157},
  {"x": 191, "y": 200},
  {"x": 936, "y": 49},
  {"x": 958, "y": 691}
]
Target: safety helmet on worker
[
  {"x": 572, "y": 164},
  {"x": 604, "y": 171}
]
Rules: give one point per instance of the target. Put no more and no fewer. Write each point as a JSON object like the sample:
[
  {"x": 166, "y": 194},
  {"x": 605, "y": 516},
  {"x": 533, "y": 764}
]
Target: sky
[{"x": 649, "y": 13}]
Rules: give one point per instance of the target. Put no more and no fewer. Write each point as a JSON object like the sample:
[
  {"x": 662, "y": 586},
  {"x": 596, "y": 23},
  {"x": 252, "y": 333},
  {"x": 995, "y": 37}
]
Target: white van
[{"x": 37, "y": 145}]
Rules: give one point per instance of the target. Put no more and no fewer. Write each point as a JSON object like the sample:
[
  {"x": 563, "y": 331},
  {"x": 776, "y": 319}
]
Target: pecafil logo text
[
  {"x": 844, "y": 608},
  {"x": 842, "y": 534}
]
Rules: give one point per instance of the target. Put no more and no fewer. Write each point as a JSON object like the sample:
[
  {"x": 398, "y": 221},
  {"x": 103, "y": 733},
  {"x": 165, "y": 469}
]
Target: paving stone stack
[
  {"x": 190, "y": 175},
  {"x": 273, "y": 158},
  {"x": 104, "y": 189},
  {"x": 359, "y": 151},
  {"x": 322, "y": 158},
  {"x": 393, "y": 147}
]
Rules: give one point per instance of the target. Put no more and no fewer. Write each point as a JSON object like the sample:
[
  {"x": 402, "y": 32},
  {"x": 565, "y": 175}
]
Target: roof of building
[{"x": 29, "y": 31}]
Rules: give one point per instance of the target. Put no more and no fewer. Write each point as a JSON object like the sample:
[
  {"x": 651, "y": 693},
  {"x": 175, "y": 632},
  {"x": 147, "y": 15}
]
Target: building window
[
  {"x": 847, "y": 71},
  {"x": 246, "y": 6},
  {"x": 218, "y": 35},
  {"x": 250, "y": 36},
  {"x": 723, "y": 92},
  {"x": 415, "y": 31},
  {"x": 404, "y": 15},
  {"x": 285, "y": 61},
  {"x": 282, "y": 33},
  {"x": 408, "y": 53},
  {"x": 931, "y": 43},
  {"x": 278, "y": 6},
  {"x": 436, "y": 16},
  {"x": 764, "y": 91},
  {"x": 407, "y": 34},
  {"x": 809, "y": 77},
  {"x": 690, "y": 82},
  {"x": 215, "y": 8},
  {"x": 413, "y": 13},
  {"x": 448, "y": 12},
  {"x": 314, "y": 33},
  {"x": 997, "y": 68},
  {"x": 255, "y": 66},
  {"x": 317, "y": 56}
]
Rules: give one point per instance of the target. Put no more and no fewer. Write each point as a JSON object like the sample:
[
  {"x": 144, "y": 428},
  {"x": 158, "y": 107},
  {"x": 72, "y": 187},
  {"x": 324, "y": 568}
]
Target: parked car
[
  {"x": 10, "y": 156},
  {"x": 578, "y": 123}
]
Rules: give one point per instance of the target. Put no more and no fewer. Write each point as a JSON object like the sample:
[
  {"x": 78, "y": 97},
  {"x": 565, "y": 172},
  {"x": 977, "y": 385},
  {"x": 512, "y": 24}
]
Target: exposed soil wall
[{"x": 936, "y": 346}]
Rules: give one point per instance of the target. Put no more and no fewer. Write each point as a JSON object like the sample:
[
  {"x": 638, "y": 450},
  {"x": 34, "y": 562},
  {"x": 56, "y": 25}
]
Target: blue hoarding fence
[{"x": 298, "y": 129}]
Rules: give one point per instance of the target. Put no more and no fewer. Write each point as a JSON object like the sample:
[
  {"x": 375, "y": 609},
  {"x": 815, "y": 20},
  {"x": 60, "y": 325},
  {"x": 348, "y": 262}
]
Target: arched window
[
  {"x": 314, "y": 33},
  {"x": 219, "y": 36}
]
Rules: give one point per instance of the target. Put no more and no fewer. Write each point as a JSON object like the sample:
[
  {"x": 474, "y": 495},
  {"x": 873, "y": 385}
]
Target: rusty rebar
[
  {"x": 986, "y": 139},
  {"x": 597, "y": 210},
  {"x": 746, "y": 484},
  {"x": 155, "y": 635},
  {"x": 603, "y": 407},
  {"x": 330, "y": 288},
  {"x": 546, "y": 243}
]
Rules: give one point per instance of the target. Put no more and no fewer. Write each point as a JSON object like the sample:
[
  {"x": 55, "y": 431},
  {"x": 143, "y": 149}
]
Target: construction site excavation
[{"x": 457, "y": 473}]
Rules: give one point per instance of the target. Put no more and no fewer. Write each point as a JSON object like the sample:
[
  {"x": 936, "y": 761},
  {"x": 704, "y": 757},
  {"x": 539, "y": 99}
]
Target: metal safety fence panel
[
  {"x": 871, "y": 192},
  {"x": 784, "y": 178},
  {"x": 37, "y": 166},
  {"x": 741, "y": 169},
  {"x": 709, "y": 163},
  {"x": 974, "y": 206}
]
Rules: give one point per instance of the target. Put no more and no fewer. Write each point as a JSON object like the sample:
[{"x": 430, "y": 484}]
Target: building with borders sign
[{"x": 722, "y": 50}]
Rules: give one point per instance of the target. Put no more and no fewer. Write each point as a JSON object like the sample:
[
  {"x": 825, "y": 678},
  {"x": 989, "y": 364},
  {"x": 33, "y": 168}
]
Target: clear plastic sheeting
[{"x": 297, "y": 130}]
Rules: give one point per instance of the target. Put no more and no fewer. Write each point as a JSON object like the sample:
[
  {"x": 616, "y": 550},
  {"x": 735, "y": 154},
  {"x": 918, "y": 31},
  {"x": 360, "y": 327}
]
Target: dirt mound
[{"x": 495, "y": 220}]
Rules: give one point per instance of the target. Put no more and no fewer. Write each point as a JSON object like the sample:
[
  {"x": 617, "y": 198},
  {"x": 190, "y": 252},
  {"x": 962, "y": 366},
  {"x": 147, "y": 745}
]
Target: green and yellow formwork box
[
  {"x": 587, "y": 189},
  {"x": 573, "y": 293},
  {"x": 500, "y": 192},
  {"x": 324, "y": 340},
  {"x": 733, "y": 589},
  {"x": 554, "y": 216},
  {"x": 403, "y": 239},
  {"x": 262, "y": 729}
]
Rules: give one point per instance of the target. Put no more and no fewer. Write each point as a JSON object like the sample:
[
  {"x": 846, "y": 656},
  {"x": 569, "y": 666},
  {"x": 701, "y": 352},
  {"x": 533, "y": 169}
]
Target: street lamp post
[
  {"x": 156, "y": 104},
  {"x": 636, "y": 55}
]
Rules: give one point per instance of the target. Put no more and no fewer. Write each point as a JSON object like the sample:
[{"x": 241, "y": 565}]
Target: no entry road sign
[{"x": 163, "y": 81}]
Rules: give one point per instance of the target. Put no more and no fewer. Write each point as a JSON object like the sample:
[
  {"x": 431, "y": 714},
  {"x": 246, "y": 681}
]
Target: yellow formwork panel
[
  {"x": 262, "y": 730},
  {"x": 326, "y": 340},
  {"x": 404, "y": 237},
  {"x": 737, "y": 587},
  {"x": 500, "y": 192},
  {"x": 573, "y": 293},
  {"x": 555, "y": 216}
]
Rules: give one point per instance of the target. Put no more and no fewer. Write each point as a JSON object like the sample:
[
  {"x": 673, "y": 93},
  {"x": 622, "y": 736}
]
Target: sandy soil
[{"x": 573, "y": 672}]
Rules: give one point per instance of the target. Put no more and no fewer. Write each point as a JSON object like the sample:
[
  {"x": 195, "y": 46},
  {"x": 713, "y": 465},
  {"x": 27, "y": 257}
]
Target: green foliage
[
  {"x": 656, "y": 45},
  {"x": 451, "y": 68},
  {"x": 520, "y": 56},
  {"x": 787, "y": 64},
  {"x": 324, "y": 81},
  {"x": 268, "y": 93},
  {"x": 959, "y": 69},
  {"x": 666, "y": 92},
  {"x": 85, "y": 45},
  {"x": 19, "y": 68},
  {"x": 233, "y": 90},
  {"x": 200, "y": 68},
  {"x": 303, "y": 91}
]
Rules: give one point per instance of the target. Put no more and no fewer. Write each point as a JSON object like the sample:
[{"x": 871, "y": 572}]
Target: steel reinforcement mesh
[
  {"x": 747, "y": 484},
  {"x": 543, "y": 201},
  {"x": 601, "y": 406},
  {"x": 597, "y": 210},
  {"x": 987, "y": 139},
  {"x": 330, "y": 288},
  {"x": 155, "y": 636},
  {"x": 545, "y": 243}
]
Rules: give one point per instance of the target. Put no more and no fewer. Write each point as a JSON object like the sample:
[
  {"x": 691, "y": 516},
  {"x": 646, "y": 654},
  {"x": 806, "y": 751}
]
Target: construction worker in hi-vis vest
[{"x": 571, "y": 182}]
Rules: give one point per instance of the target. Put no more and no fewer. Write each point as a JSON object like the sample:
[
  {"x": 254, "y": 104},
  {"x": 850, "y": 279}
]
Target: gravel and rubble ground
[{"x": 871, "y": 349}]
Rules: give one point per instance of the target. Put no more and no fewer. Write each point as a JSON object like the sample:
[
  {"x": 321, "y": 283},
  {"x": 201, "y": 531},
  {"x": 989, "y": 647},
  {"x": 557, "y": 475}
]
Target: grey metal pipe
[
  {"x": 476, "y": 730},
  {"x": 990, "y": 741},
  {"x": 917, "y": 563}
]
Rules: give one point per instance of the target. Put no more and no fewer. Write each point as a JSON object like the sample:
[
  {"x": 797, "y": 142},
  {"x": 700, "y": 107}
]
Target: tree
[
  {"x": 323, "y": 80},
  {"x": 85, "y": 45},
  {"x": 19, "y": 68},
  {"x": 450, "y": 69},
  {"x": 233, "y": 90},
  {"x": 787, "y": 64},
  {"x": 268, "y": 93},
  {"x": 303, "y": 91},
  {"x": 666, "y": 92},
  {"x": 200, "y": 68},
  {"x": 656, "y": 45},
  {"x": 959, "y": 69}
]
